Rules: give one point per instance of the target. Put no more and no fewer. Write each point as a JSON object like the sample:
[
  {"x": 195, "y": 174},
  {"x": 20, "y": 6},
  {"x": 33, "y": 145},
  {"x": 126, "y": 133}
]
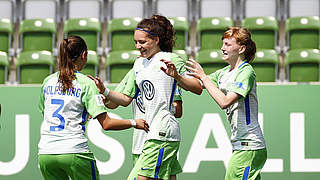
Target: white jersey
[
  {"x": 246, "y": 133},
  {"x": 65, "y": 114},
  {"x": 158, "y": 91},
  {"x": 140, "y": 136}
]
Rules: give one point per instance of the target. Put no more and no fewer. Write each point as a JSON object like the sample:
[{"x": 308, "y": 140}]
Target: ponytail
[{"x": 70, "y": 49}]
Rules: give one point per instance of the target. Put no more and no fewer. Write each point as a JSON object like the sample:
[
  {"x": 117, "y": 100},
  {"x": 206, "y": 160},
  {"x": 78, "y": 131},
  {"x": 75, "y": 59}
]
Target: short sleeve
[
  {"x": 178, "y": 63},
  {"x": 214, "y": 77},
  {"x": 128, "y": 84},
  {"x": 243, "y": 82},
  {"x": 123, "y": 84},
  {"x": 92, "y": 99}
]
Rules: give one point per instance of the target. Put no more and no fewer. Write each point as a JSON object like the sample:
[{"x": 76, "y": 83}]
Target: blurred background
[{"x": 286, "y": 33}]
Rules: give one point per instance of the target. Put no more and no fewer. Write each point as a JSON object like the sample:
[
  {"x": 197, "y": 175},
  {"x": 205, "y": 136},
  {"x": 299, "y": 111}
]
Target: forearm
[
  {"x": 219, "y": 97},
  {"x": 117, "y": 124},
  {"x": 111, "y": 105},
  {"x": 189, "y": 84},
  {"x": 119, "y": 98},
  {"x": 108, "y": 123}
]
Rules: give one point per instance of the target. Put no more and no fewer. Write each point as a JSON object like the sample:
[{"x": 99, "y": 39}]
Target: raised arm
[
  {"x": 189, "y": 84},
  {"x": 113, "y": 98},
  {"x": 224, "y": 101}
]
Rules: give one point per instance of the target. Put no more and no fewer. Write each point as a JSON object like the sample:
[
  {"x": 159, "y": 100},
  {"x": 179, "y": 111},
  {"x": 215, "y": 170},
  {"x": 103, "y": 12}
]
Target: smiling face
[
  {"x": 231, "y": 50},
  {"x": 147, "y": 46}
]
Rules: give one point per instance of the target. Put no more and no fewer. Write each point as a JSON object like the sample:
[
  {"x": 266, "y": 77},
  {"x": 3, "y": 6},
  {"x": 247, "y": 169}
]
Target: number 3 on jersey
[{"x": 59, "y": 116}]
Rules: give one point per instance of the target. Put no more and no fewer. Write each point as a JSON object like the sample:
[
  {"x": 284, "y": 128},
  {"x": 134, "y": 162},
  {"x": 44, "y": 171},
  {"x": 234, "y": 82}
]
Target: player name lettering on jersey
[{"x": 55, "y": 90}]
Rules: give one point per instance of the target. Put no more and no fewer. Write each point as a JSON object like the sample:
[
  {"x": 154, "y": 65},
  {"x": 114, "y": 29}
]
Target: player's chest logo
[
  {"x": 139, "y": 103},
  {"x": 148, "y": 89}
]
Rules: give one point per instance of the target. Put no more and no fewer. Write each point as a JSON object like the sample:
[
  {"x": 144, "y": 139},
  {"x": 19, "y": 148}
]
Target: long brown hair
[
  {"x": 243, "y": 37},
  {"x": 70, "y": 49},
  {"x": 161, "y": 27}
]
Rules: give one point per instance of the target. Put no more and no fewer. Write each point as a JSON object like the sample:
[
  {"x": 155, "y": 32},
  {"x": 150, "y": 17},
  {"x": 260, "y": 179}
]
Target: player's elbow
[{"x": 224, "y": 105}]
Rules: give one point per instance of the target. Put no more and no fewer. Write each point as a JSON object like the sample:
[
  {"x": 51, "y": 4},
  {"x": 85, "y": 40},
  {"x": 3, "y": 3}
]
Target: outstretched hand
[
  {"x": 195, "y": 69},
  {"x": 170, "y": 70},
  {"x": 98, "y": 83},
  {"x": 142, "y": 124}
]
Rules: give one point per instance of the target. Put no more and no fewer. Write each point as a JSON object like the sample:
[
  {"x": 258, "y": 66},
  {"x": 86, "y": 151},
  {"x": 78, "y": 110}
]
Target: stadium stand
[
  {"x": 75, "y": 9},
  {"x": 84, "y": 18},
  {"x": 4, "y": 67},
  {"x": 37, "y": 34},
  {"x": 92, "y": 66},
  {"x": 295, "y": 26},
  {"x": 179, "y": 17},
  {"x": 127, "y": 8},
  {"x": 8, "y": 10},
  {"x": 119, "y": 63},
  {"x": 89, "y": 29},
  {"x": 296, "y": 8},
  {"x": 35, "y": 9},
  {"x": 33, "y": 66},
  {"x": 302, "y": 32},
  {"x": 302, "y": 65},
  {"x": 261, "y": 8},
  {"x": 6, "y": 31},
  {"x": 181, "y": 25},
  {"x": 266, "y": 65},
  {"x": 211, "y": 60},
  {"x": 169, "y": 8},
  {"x": 264, "y": 31},
  {"x": 37, "y": 40},
  {"x": 120, "y": 33},
  {"x": 216, "y": 8},
  {"x": 209, "y": 32}
]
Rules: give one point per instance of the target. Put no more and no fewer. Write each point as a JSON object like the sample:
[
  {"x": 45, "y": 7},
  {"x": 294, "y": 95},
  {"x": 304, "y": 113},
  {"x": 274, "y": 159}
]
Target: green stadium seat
[
  {"x": 34, "y": 66},
  {"x": 4, "y": 67},
  {"x": 266, "y": 65},
  {"x": 210, "y": 60},
  {"x": 181, "y": 25},
  {"x": 302, "y": 65},
  {"x": 120, "y": 33},
  {"x": 6, "y": 31},
  {"x": 37, "y": 34},
  {"x": 119, "y": 63},
  {"x": 264, "y": 31},
  {"x": 302, "y": 32},
  {"x": 87, "y": 28},
  {"x": 209, "y": 32},
  {"x": 92, "y": 66}
]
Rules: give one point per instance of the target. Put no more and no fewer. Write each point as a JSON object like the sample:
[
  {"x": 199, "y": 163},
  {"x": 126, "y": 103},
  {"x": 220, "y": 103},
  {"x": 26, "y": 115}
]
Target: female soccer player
[
  {"x": 139, "y": 136},
  {"x": 154, "y": 38},
  {"x": 67, "y": 99},
  {"x": 234, "y": 89}
]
